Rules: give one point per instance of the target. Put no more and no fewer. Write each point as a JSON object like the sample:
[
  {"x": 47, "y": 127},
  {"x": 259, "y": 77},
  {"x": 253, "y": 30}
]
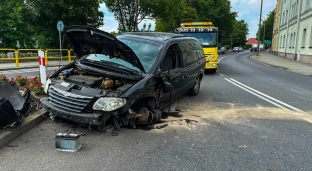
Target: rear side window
[{"x": 191, "y": 51}]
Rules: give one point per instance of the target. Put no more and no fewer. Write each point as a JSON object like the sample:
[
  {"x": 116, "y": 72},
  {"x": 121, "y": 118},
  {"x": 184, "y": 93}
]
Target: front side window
[
  {"x": 171, "y": 59},
  {"x": 146, "y": 51}
]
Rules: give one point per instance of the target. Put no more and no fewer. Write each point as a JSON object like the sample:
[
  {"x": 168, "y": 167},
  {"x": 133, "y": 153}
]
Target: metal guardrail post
[
  {"x": 46, "y": 56},
  {"x": 69, "y": 60},
  {"x": 16, "y": 58}
]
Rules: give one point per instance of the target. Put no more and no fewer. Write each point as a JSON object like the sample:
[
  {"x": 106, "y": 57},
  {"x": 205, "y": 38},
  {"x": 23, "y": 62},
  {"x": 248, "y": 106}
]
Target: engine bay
[{"x": 80, "y": 79}]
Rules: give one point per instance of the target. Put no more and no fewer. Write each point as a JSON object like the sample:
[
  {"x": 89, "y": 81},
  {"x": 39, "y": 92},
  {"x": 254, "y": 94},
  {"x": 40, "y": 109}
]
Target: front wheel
[{"x": 195, "y": 89}]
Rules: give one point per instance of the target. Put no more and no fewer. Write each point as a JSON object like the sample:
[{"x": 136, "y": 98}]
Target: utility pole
[
  {"x": 264, "y": 34},
  {"x": 259, "y": 27},
  {"x": 136, "y": 15}
]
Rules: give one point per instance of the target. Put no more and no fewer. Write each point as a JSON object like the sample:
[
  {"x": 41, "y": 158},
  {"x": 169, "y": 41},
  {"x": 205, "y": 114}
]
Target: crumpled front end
[{"x": 78, "y": 96}]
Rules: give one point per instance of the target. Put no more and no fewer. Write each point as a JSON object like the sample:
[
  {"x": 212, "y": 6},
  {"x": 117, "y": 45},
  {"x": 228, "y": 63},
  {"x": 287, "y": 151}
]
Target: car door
[
  {"x": 190, "y": 57},
  {"x": 170, "y": 68}
]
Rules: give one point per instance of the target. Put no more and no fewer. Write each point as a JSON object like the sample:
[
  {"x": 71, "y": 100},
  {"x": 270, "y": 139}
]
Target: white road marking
[
  {"x": 222, "y": 75},
  {"x": 269, "y": 99},
  {"x": 223, "y": 57},
  {"x": 275, "y": 104}
]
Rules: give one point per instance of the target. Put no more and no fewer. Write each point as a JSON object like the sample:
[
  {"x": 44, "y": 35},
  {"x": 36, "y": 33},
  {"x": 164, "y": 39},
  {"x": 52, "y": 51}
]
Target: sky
[{"x": 248, "y": 10}]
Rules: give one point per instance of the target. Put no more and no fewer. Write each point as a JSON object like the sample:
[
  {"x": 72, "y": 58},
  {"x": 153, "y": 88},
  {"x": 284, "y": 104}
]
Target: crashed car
[{"x": 129, "y": 79}]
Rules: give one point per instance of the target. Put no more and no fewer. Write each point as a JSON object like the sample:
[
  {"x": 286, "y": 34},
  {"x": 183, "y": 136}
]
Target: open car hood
[{"x": 87, "y": 40}]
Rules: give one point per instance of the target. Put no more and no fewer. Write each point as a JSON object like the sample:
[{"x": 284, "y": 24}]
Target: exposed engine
[{"x": 83, "y": 79}]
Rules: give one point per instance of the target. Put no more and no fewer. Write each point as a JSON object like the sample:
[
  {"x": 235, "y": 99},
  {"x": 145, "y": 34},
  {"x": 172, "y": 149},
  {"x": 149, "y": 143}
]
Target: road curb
[{"x": 9, "y": 134}]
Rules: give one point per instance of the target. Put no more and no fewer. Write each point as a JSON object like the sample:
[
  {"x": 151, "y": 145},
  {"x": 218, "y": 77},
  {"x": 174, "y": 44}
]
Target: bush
[{"x": 227, "y": 47}]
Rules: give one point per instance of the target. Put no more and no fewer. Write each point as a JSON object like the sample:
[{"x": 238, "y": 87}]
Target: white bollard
[{"x": 41, "y": 60}]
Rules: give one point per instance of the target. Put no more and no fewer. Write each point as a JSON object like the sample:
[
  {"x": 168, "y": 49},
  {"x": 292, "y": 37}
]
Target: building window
[
  {"x": 290, "y": 40},
  {"x": 284, "y": 42},
  {"x": 283, "y": 19},
  {"x": 293, "y": 45},
  {"x": 310, "y": 43},
  {"x": 281, "y": 40},
  {"x": 303, "y": 38}
]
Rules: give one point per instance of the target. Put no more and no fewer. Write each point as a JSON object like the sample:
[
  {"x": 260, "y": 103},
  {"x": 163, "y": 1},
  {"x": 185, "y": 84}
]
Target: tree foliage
[
  {"x": 240, "y": 33},
  {"x": 172, "y": 13},
  {"x": 44, "y": 15},
  {"x": 28, "y": 21},
  {"x": 268, "y": 26},
  {"x": 14, "y": 31},
  {"x": 129, "y": 13}
]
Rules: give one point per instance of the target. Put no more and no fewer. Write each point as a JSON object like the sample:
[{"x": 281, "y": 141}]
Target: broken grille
[{"x": 68, "y": 101}]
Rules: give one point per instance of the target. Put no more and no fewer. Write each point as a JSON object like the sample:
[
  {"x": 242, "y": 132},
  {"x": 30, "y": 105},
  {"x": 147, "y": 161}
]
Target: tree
[
  {"x": 218, "y": 12},
  {"x": 268, "y": 24},
  {"x": 240, "y": 33},
  {"x": 42, "y": 17},
  {"x": 172, "y": 14},
  {"x": 129, "y": 13},
  {"x": 13, "y": 30}
]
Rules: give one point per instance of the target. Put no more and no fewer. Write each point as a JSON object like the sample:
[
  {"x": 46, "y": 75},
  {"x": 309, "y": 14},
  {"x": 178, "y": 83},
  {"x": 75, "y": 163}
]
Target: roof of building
[{"x": 252, "y": 41}]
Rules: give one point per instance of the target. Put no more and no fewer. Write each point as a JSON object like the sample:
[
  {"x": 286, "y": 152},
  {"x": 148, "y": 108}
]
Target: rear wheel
[{"x": 195, "y": 89}]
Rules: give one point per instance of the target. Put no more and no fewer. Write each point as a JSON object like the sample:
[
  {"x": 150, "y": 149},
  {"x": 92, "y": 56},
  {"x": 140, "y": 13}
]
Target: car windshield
[
  {"x": 206, "y": 39},
  {"x": 146, "y": 51},
  {"x": 112, "y": 62}
]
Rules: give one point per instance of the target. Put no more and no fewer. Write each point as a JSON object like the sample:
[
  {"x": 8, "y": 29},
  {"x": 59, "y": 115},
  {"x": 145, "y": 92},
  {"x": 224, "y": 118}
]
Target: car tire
[{"x": 195, "y": 88}]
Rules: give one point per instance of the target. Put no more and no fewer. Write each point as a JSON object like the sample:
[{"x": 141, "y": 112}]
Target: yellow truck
[{"x": 207, "y": 34}]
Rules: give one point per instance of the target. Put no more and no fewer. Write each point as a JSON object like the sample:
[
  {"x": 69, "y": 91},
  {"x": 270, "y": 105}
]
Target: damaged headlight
[
  {"x": 108, "y": 104},
  {"x": 46, "y": 86}
]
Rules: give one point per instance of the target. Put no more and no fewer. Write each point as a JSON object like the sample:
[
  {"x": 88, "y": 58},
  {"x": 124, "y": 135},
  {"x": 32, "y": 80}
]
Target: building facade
[
  {"x": 276, "y": 26},
  {"x": 295, "y": 30}
]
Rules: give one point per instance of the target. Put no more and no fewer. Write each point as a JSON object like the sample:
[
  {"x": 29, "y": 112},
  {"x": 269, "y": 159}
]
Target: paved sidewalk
[
  {"x": 288, "y": 64},
  {"x": 24, "y": 65}
]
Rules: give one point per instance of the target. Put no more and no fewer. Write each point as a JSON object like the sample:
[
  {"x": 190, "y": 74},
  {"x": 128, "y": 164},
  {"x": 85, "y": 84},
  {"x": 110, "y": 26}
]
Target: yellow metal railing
[{"x": 7, "y": 54}]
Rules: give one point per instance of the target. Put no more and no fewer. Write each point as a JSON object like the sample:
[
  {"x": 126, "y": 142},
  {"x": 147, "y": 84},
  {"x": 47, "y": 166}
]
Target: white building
[{"x": 295, "y": 30}]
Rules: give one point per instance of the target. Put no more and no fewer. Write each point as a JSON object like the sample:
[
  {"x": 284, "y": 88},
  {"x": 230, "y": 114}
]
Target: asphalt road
[{"x": 247, "y": 116}]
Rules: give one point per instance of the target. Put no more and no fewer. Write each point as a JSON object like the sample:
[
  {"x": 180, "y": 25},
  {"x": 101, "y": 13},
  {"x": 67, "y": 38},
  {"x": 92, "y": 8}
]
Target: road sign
[
  {"x": 60, "y": 25},
  {"x": 267, "y": 42}
]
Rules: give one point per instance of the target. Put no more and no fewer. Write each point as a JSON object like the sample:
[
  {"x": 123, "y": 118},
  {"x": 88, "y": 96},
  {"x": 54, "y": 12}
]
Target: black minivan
[{"x": 128, "y": 79}]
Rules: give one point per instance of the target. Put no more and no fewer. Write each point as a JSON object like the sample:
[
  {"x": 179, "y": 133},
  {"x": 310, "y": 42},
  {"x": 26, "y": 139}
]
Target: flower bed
[{"x": 33, "y": 84}]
